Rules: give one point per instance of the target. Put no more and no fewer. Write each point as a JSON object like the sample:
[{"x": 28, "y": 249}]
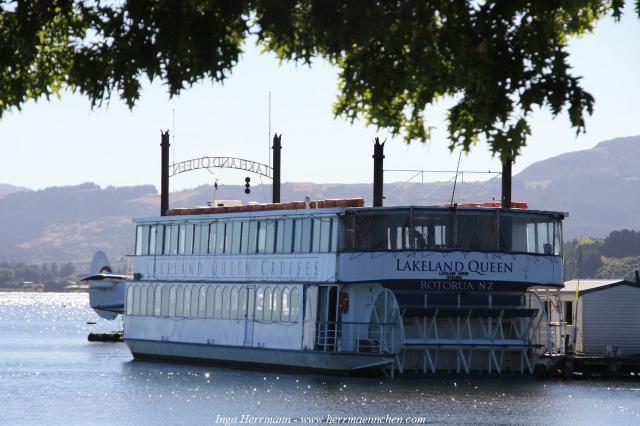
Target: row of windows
[
  {"x": 452, "y": 230},
  {"x": 278, "y": 303},
  {"x": 305, "y": 235}
]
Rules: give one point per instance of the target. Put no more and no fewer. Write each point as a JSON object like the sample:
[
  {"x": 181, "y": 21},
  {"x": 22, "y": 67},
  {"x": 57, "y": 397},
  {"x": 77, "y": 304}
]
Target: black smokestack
[
  {"x": 378, "y": 172},
  {"x": 277, "y": 147},
  {"x": 164, "y": 178}
]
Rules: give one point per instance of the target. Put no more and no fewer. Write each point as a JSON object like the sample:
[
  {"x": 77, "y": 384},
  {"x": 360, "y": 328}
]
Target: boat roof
[{"x": 324, "y": 207}]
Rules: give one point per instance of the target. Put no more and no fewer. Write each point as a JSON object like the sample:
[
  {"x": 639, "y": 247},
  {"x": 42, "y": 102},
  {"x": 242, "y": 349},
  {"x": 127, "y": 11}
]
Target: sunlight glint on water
[{"x": 50, "y": 374}]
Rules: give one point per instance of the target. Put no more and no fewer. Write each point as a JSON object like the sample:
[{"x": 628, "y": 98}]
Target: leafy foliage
[
  {"x": 498, "y": 60},
  {"x": 616, "y": 256},
  {"x": 582, "y": 258},
  {"x": 47, "y": 277},
  {"x": 620, "y": 268}
]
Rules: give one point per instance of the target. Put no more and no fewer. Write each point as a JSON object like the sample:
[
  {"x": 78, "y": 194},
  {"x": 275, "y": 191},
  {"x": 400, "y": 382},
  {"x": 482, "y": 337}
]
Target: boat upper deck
[
  {"x": 338, "y": 226},
  {"x": 423, "y": 245}
]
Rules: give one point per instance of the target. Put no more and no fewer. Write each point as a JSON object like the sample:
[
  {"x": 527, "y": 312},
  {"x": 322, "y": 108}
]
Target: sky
[{"x": 65, "y": 142}]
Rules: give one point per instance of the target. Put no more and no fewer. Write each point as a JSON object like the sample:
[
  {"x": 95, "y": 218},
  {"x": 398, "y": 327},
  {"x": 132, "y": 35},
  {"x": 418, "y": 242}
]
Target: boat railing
[
  {"x": 358, "y": 337},
  {"x": 129, "y": 264}
]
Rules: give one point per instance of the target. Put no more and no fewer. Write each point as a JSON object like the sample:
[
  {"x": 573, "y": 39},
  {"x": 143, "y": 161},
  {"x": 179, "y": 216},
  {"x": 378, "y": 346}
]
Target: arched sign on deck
[
  {"x": 221, "y": 163},
  {"x": 168, "y": 171}
]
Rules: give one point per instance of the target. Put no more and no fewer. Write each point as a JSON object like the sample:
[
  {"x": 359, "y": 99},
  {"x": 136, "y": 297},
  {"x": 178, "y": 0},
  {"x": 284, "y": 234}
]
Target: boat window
[
  {"x": 202, "y": 302},
  {"x": 476, "y": 231},
  {"x": 262, "y": 236},
  {"x": 305, "y": 245},
  {"x": 259, "y": 308},
  {"x": 157, "y": 301},
  {"x": 136, "y": 300},
  {"x": 268, "y": 300},
  {"x": 297, "y": 235},
  {"x": 195, "y": 301},
  {"x": 244, "y": 246},
  {"x": 179, "y": 301},
  {"x": 295, "y": 305},
  {"x": 347, "y": 242},
  {"x": 225, "y": 302},
  {"x": 253, "y": 237},
  {"x": 315, "y": 235},
  {"x": 334, "y": 234},
  {"x": 242, "y": 303},
  {"x": 196, "y": 238},
  {"x": 186, "y": 305},
  {"x": 271, "y": 236},
  {"x": 150, "y": 298},
  {"x": 217, "y": 303},
  {"x": 129, "y": 310},
  {"x": 139, "y": 239},
  {"x": 218, "y": 239},
  {"x": 228, "y": 240},
  {"x": 464, "y": 229},
  {"x": 251, "y": 303},
  {"x": 237, "y": 237},
  {"x": 209, "y": 302},
  {"x": 233, "y": 309},
  {"x": 182, "y": 233},
  {"x": 164, "y": 311},
  {"x": 172, "y": 301},
  {"x": 557, "y": 238},
  {"x": 285, "y": 305},
  {"x": 189, "y": 239},
  {"x": 141, "y": 298},
  {"x": 168, "y": 238},
  {"x": 175, "y": 234},
  {"x": 276, "y": 304},
  {"x": 530, "y": 233},
  {"x": 279, "y": 236},
  {"x": 204, "y": 239},
  {"x": 152, "y": 239},
  {"x": 160, "y": 239},
  {"x": 212, "y": 237},
  {"x": 145, "y": 240},
  {"x": 325, "y": 234},
  {"x": 286, "y": 245}
]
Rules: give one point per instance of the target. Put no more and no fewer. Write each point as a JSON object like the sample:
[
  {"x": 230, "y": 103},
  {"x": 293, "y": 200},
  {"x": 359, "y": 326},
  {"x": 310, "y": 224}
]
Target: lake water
[{"x": 50, "y": 374}]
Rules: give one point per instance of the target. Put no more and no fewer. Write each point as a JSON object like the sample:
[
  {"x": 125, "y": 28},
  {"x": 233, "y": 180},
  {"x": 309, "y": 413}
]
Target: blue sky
[{"x": 65, "y": 142}]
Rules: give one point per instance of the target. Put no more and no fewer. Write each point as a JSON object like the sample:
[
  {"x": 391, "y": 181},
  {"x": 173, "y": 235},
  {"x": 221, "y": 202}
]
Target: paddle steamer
[{"x": 334, "y": 285}]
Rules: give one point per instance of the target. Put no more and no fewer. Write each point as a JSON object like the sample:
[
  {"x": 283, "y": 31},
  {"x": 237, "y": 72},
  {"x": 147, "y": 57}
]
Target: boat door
[
  {"x": 249, "y": 315},
  {"x": 328, "y": 327}
]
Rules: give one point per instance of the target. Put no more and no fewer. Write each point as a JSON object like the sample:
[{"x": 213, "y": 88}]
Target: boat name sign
[{"x": 465, "y": 270}]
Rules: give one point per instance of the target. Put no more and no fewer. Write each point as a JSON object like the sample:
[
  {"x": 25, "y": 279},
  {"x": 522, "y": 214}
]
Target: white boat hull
[{"x": 256, "y": 357}]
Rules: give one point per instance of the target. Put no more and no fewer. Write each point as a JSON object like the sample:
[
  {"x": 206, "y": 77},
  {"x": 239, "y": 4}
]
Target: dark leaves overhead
[{"x": 499, "y": 60}]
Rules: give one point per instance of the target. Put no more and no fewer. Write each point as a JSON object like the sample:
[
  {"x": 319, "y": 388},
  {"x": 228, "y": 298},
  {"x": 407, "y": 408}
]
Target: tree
[
  {"x": 583, "y": 258},
  {"x": 67, "y": 270},
  {"x": 54, "y": 269},
  {"x": 497, "y": 60},
  {"x": 6, "y": 276}
]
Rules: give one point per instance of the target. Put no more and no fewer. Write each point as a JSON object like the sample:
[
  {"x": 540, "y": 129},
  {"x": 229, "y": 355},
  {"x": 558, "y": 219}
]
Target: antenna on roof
[
  {"x": 269, "y": 135},
  {"x": 173, "y": 132},
  {"x": 453, "y": 194}
]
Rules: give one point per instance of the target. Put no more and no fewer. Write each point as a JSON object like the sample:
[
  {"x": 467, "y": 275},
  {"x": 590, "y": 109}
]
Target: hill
[
  {"x": 599, "y": 187},
  {"x": 8, "y": 189}
]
